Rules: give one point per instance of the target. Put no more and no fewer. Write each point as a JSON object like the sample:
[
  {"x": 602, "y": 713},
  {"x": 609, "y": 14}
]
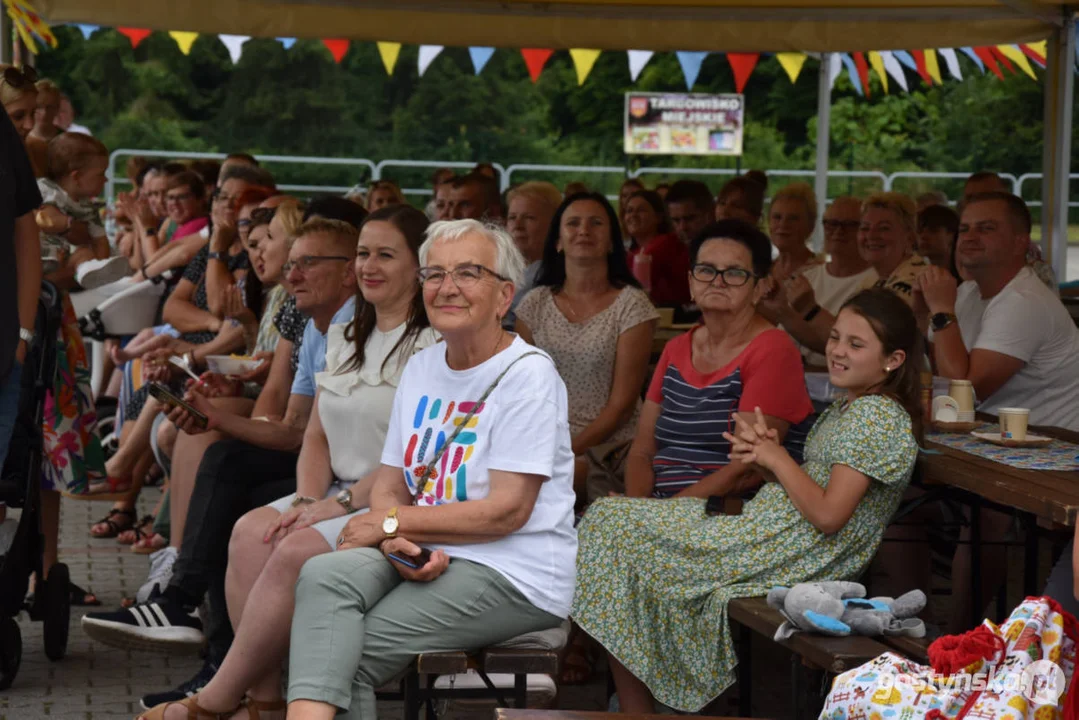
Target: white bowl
[
  {"x": 945, "y": 409},
  {"x": 228, "y": 365}
]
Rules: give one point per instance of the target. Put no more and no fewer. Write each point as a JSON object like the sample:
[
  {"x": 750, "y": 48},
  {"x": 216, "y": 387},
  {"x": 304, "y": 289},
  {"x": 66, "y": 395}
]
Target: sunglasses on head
[{"x": 20, "y": 78}]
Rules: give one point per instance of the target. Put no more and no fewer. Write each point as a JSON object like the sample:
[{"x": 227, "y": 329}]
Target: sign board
[{"x": 683, "y": 124}]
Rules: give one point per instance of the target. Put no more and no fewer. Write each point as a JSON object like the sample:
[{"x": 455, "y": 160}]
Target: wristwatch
[
  {"x": 218, "y": 256},
  {"x": 390, "y": 523},
  {"x": 26, "y": 336},
  {"x": 939, "y": 321},
  {"x": 344, "y": 499}
]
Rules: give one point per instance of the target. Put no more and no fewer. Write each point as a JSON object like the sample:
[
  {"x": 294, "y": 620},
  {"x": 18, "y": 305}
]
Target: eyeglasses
[
  {"x": 464, "y": 276},
  {"x": 20, "y": 78},
  {"x": 306, "y": 262},
  {"x": 179, "y": 198},
  {"x": 732, "y": 277},
  {"x": 227, "y": 199},
  {"x": 833, "y": 225}
]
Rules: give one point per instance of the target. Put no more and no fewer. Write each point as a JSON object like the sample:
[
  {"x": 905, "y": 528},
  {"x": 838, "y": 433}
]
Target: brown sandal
[
  {"x": 194, "y": 712},
  {"x": 253, "y": 706},
  {"x": 143, "y": 528}
]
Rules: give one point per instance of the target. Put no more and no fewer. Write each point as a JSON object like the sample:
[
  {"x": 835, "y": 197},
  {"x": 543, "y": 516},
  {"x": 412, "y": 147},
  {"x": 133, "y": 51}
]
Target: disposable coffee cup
[
  {"x": 1013, "y": 423},
  {"x": 963, "y": 392}
]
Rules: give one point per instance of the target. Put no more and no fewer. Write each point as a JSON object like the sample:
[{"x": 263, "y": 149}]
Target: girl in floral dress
[{"x": 654, "y": 576}]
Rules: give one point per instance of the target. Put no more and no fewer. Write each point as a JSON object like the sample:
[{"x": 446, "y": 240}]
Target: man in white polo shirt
[{"x": 1003, "y": 329}]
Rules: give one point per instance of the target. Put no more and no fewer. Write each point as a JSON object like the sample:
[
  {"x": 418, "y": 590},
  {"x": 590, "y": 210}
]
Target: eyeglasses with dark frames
[{"x": 732, "y": 277}]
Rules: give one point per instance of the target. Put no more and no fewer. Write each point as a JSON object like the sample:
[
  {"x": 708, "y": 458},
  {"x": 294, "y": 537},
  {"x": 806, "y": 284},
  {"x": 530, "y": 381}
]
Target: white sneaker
[
  {"x": 161, "y": 563},
  {"x": 98, "y": 273}
]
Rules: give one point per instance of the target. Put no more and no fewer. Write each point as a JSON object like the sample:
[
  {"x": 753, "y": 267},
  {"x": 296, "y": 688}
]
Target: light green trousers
[{"x": 357, "y": 623}]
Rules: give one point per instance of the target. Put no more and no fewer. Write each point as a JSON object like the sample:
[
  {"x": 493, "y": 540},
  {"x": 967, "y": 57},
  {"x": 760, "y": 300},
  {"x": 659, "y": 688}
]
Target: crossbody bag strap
[{"x": 422, "y": 482}]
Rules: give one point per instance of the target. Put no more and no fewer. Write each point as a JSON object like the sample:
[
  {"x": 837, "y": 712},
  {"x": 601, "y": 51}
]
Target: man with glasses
[{"x": 255, "y": 466}]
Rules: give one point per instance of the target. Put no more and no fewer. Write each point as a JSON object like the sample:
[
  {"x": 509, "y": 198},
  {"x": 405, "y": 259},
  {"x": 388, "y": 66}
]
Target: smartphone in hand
[
  {"x": 164, "y": 395},
  {"x": 413, "y": 561}
]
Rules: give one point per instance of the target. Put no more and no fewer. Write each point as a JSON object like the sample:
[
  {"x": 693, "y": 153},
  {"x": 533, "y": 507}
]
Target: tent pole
[
  {"x": 1056, "y": 146},
  {"x": 6, "y": 39},
  {"x": 824, "y": 126}
]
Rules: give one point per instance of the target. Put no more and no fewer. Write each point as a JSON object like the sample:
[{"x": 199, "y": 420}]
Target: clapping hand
[
  {"x": 800, "y": 295},
  {"x": 756, "y": 443},
  {"x": 402, "y": 547}
]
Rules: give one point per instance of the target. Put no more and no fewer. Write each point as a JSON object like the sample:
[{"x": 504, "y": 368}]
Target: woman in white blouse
[{"x": 342, "y": 445}]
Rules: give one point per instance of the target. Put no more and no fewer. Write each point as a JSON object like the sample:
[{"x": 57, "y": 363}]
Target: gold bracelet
[{"x": 303, "y": 500}]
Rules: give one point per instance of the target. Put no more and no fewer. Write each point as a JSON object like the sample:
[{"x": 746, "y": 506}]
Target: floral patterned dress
[
  {"x": 73, "y": 454},
  {"x": 654, "y": 576}
]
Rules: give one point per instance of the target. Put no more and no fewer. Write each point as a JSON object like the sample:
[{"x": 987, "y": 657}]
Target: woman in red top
[{"x": 665, "y": 272}]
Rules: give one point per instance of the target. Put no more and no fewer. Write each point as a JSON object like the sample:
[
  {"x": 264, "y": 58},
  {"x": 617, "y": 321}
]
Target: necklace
[{"x": 586, "y": 312}]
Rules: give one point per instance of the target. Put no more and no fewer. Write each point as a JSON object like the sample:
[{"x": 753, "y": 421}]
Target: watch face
[{"x": 389, "y": 525}]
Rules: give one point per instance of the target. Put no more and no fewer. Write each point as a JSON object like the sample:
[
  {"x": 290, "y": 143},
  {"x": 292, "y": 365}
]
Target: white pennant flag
[
  {"x": 428, "y": 53},
  {"x": 835, "y": 66},
  {"x": 952, "y": 61},
  {"x": 894, "y": 69},
  {"x": 637, "y": 60},
  {"x": 235, "y": 45}
]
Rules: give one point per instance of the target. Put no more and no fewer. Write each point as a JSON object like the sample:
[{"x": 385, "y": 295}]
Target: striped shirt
[{"x": 697, "y": 408}]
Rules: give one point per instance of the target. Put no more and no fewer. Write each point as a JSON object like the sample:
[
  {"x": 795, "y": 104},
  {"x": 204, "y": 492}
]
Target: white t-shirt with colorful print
[{"x": 522, "y": 426}]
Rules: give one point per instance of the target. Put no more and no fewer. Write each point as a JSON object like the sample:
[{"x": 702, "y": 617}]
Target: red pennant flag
[
  {"x": 1033, "y": 54},
  {"x": 989, "y": 60},
  {"x": 135, "y": 35},
  {"x": 923, "y": 70},
  {"x": 535, "y": 59},
  {"x": 337, "y": 48},
  {"x": 863, "y": 70},
  {"x": 1002, "y": 59},
  {"x": 742, "y": 65}
]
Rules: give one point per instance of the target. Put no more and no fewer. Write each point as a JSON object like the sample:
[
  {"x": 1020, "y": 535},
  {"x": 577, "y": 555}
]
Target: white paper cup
[
  {"x": 963, "y": 392},
  {"x": 1013, "y": 423}
]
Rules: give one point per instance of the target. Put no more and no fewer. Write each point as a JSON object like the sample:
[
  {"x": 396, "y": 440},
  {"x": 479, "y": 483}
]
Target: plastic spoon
[{"x": 179, "y": 362}]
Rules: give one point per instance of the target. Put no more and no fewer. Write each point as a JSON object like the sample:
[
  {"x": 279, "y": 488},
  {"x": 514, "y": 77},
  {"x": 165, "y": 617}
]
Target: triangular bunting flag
[
  {"x": 742, "y": 65},
  {"x": 952, "y": 61},
  {"x": 637, "y": 60},
  {"x": 184, "y": 39},
  {"x": 877, "y": 63},
  {"x": 286, "y": 42},
  {"x": 792, "y": 62},
  {"x": 904, "y": 57},
  {"x": 535, "y": 59},
  {"x": 969, "y": 52},
  {"x": 990, "y": 62},
  {"x": 919, "y": 65},
  {"x": 852, "y": 72},
  {"x": 428, "y": 53},
  {"x": 388, "y": 51},
  {"x": 480, "y": 56},
  {"x": 1035, "y": 51},
  {"x": 583, "y": 61},
  {"x": 1013, "y": 53},
  {"x": 87, "y": 30},
  {"x": 932, "y": 66},
  {"x": 691, "y": 65},
  {"x": 337, "y": 48},
  {"x": 863, "y": 70},
  {"x": 135, "y": 35},
  {"x": 235, "y": 45},
  {"x": 999, "y": 57},
  {"x": 835, "y": 66},
  {"x": 894, "y": 69}
]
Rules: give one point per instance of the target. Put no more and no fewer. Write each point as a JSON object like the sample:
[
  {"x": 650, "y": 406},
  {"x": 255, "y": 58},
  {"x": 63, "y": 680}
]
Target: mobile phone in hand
[
  {"x": 413, "y": 561},
  {"x": 164, "y": 395}
]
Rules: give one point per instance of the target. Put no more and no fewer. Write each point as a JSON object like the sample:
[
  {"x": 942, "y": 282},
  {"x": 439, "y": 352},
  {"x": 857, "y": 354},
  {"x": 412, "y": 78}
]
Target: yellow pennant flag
[
  {"x": 932, "y": 66},
  {"x": 878, "y": 66},
  {"x": 389, "y": 51},
  {"x": 1039, "y": 47},
  {"x": 184, "y": 39},
  {"x": 1016, "y": 56},
  {"x": 792, "y": 62},
  {"x": 583, "y": 60}
]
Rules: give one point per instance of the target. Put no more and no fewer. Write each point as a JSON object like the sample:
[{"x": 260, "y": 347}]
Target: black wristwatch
[
  {"x": 218, "y": 256},
  {"x": 939, "y": 321},
  {"x": 812, "y": 313}
]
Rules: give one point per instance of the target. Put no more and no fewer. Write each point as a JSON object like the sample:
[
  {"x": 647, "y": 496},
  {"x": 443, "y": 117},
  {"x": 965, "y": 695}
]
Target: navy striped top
[{"x": 697, "y": 408}]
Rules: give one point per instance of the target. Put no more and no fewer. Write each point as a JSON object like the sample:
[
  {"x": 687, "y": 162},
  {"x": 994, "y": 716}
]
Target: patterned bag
[{"x": 1021, "y": 670}]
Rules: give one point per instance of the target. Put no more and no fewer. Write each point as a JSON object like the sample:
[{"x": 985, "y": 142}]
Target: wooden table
[{"x": 1043, "y": 498}]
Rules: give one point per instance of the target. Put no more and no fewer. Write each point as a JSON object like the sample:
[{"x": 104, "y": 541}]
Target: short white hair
[{"x": 509, "y": 263}]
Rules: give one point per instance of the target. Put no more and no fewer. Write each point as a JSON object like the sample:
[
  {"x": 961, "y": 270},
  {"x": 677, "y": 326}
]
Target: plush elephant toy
[{"x": 841, "y": 608}]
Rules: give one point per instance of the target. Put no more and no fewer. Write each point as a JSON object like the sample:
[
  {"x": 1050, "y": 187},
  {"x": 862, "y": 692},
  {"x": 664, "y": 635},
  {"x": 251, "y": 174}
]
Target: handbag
[{"x": 421, "y": 482}]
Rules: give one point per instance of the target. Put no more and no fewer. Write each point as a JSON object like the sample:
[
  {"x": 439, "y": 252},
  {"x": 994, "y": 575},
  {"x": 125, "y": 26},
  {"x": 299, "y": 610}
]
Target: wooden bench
[
  {"x": 814, "y": 656},
  {"x": 518, "y": 662}
]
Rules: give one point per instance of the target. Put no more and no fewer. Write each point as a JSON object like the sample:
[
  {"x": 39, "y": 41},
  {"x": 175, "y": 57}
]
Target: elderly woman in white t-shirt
[
  {"x": 477, "y": 470},
  {"x": 342, "y": 444}
]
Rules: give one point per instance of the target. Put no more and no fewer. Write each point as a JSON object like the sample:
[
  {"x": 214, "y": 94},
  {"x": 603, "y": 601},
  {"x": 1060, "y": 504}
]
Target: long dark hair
[
  {"x": 897, "y": 329},
  {"x": 412, "y": 224},
  {"x": 654, "y": 199},
  {"x": 553, "y": 270}
]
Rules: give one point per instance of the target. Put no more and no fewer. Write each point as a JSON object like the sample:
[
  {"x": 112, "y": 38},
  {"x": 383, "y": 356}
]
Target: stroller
[{"x": 19, "y": 488}]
